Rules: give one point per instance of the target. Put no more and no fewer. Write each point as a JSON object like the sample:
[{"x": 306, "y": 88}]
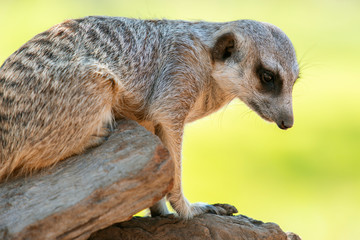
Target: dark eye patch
[{"x": 270, "y": 81}]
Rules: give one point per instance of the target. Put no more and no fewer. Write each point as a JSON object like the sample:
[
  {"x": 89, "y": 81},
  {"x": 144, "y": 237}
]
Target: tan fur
[{"x": 60, "y": 92}]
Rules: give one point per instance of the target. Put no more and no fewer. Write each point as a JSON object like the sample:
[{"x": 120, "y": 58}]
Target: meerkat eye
[{"x": 267, "y": 77}]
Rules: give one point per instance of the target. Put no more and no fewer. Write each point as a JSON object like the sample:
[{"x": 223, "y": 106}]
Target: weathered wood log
[
  {"x": 107, "y": 184},
  {"x": 204, "y": 227}
]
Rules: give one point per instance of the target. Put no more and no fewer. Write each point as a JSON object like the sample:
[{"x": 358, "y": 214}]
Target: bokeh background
[{"x": 307, "y": 178}]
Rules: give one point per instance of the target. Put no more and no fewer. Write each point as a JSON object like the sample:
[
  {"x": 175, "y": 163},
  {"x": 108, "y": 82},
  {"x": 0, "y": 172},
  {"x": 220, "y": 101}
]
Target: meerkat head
[{"x": 256, "y": 62}]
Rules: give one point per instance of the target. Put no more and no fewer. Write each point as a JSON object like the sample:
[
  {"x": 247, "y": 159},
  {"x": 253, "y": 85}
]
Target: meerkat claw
[
  {"x": 218, "y": 209},
  {"x": 225, "y": 209},
  {"x": 211, "y": 209}
]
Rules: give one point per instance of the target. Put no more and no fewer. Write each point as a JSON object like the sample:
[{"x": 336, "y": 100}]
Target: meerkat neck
[{"x": 220, "y": 96}]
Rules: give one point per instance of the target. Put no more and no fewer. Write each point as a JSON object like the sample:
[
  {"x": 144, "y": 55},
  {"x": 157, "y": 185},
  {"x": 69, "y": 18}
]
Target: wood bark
[
  {"x": 203, "y": 227},
  {"x": 129, "y": 172}
]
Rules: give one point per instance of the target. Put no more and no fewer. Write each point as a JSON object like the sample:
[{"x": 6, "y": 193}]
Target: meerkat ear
[{"x": 224, "y": 47}]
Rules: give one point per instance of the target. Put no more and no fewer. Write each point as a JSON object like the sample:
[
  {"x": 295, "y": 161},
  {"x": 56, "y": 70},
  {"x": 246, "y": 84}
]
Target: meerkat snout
[{"x": 285, "y": 121}]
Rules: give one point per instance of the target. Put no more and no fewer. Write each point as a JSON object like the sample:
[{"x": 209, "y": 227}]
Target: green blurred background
[{"x": 305, "y": 179}]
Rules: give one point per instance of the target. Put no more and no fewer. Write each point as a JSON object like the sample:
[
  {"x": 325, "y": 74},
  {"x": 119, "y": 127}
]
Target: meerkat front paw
[
  {"x": 201, "y": 208},
  {"x": 218, "y": 208},
  {"x": 225, "y": 209}
]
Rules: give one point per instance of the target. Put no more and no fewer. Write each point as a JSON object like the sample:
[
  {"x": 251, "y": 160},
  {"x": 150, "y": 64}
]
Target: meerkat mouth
[{"x": 264, "y": 117}]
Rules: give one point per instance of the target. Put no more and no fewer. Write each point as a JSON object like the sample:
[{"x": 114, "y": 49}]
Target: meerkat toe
[
  {"x": 225, "y": 209},
  {"x": 211, "y": 209},
  {"x": 218, "y": 208},
  {"x": 200, "y": 208}
]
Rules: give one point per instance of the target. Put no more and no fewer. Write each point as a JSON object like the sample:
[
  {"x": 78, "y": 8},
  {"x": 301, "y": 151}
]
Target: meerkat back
[{"x": 53, "y": 101}]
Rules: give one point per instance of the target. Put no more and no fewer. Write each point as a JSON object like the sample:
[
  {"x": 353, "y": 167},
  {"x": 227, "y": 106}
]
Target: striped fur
[{"x": 61, "y": 90}]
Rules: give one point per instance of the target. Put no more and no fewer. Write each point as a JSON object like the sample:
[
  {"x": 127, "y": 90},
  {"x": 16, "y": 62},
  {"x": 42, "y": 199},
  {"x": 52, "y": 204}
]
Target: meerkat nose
[{"x": 285, "y": 122}]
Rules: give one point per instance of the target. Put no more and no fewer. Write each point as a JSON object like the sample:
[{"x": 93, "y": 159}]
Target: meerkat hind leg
[{"x": 159, "y": 208}]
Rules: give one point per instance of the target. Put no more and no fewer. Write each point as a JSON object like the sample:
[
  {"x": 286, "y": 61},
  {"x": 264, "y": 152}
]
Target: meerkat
[{"x": 62, "y": 89}]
